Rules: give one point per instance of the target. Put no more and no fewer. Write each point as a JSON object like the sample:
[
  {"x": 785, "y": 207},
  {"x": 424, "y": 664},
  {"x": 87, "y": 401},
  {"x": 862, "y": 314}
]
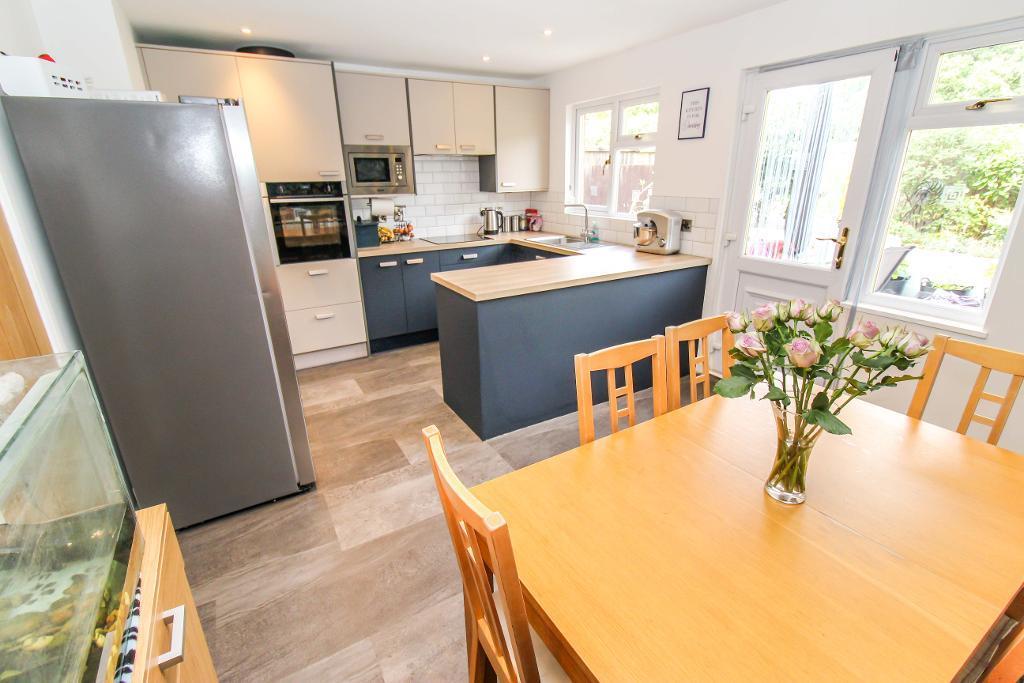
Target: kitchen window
[
  {"x": 953, "y": 199},
  {"x": 613, "y": 154}
]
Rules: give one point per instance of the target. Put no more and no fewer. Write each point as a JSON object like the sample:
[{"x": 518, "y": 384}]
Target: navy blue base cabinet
[{"x": 398, "y": 294}]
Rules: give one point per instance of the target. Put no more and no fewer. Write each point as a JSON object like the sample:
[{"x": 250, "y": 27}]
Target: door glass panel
[
  {"x": 980, "y": 73},
  {"x": 640, "y": 119},
  {"x": 635, "y": 181},
  {"x": 954, "y": 203},
  {"x": 804, "y": 162},
  {"x": 595, "y": 131}
]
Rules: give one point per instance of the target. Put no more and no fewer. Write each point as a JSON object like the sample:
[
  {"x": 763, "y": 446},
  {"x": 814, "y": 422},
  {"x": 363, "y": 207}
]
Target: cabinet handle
[
  {"x": 413, "y": 261},
  {"x": 323, "y": 316},
  {"x": 469, "y": 257},
  {"x": 539, "y": 258},
  {"x": 507, "y": 184},
  {"x": 443, "y": 146},
  {"x": 387, "y": 264},
  {"x": 374, "y": 136},
  {"x": 314, "y": 273},
  {"x": 468, "y": 148},
  {"x": 329, "y": 173},
  {"x": 176, "y": 653}
]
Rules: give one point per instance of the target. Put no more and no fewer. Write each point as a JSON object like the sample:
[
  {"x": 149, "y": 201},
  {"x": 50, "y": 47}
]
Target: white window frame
[
  {"x": 922, "y": 116},
  {"x": 619, "y": 142}
]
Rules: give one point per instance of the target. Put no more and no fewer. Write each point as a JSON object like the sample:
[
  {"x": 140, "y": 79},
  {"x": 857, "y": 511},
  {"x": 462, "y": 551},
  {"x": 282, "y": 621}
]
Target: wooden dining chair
[
  {"x": 1009, "y": 664},
  {"x": 697, "y": 334},
  {"x": 989, "y": 358},
  {"x": 497, "y": 629},
  {"x": 615, "y": 358}
]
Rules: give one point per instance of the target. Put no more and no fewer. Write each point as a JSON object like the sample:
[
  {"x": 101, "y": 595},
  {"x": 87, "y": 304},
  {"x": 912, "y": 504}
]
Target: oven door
[{"x": 310, "y": 229}]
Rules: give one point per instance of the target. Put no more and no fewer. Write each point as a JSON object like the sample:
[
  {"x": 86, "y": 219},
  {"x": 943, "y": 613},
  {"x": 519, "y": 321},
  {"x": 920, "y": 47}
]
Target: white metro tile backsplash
[
  {"x": 448, "y": 199},
  {"x": 703, "y": 211}
]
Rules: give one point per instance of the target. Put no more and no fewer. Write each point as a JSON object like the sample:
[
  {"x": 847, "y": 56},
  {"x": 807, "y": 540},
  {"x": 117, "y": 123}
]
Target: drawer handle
[
  {"x": 176, "y": 654},
  {"x": 507, "y": 184},
  {"x": 539, "y": 258},
  {"x": 387, "y": 264},
  {"x": 443, "y": 146},
  {"x": 324, "y": 316},
  {"x": 329, "y": 173},
  {"x": 469, "y": 257},
  {"x": 468, "y": 148},
  {"x": 314, "y": 273},
  {"x": 374, "y": 136},
  {"x": 413, "y": 261}
]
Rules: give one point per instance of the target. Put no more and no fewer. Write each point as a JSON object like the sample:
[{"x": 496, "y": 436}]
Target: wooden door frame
[{"x": 22, "y": 332}]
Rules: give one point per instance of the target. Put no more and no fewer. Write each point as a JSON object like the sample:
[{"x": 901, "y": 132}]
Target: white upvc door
[{"x": 807, "y": 146}]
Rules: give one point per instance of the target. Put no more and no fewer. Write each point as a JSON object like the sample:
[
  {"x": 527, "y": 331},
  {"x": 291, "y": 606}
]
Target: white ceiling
[{"x": 442, "y": 35}]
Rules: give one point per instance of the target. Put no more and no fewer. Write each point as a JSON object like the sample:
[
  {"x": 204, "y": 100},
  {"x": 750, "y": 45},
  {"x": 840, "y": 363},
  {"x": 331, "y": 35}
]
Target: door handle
[
  {"x": 314, "y": 273},
  {"x": 329, "y": 173},
  {"x": 176, "y": 652},
  {"x": 413, "y": 261},
  {"x": 467, "y": 148},
  {"x": 980, "y": 104},
  {"x": 387, "y": 264},
  {"x": 324, "y": 316},
  {"x": 507, "y": 184},
  {"x": 373, "y": 136},
  {"x": 440, "y": 146},
  {"x": 844, "y": 237},
  {"x": 468, "y": 257}
]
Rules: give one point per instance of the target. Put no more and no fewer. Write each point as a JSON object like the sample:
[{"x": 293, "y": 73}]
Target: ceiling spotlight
[
  {"x": 246, "y": 30},
  {"x": 548, "y": 32},
  {"x": 487, "y": 58}
]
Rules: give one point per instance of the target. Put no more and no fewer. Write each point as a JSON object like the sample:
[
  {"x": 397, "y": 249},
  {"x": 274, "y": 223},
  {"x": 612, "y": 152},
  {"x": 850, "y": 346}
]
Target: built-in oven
[
  {"x": 379, "y": 169},
  {"x": 309, "y": 221}
]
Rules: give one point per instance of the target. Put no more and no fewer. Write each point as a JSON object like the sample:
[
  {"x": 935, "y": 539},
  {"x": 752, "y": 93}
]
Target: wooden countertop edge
[{"x": 535, "y": 288}]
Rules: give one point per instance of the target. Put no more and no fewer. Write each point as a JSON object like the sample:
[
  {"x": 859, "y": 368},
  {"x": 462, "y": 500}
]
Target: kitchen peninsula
[{"x": 508, "y": 333}]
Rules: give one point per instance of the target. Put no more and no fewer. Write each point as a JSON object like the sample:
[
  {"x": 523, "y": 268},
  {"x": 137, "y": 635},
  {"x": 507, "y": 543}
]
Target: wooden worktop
[
  {"x": 611, "y": 262},
  {"x": 415, "y": 245}
]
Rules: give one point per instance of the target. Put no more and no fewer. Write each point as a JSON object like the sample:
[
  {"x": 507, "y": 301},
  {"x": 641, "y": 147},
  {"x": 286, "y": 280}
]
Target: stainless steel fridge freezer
[{"x": 154, "y": 216}]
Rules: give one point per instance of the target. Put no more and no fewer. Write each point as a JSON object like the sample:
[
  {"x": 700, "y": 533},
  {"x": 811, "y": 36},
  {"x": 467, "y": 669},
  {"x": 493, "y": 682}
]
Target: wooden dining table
[{"x": 653, "y": 554}]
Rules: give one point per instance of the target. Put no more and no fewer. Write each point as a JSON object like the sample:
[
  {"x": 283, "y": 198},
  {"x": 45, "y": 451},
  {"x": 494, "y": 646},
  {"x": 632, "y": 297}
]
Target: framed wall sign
[{"x": 693, "y": 114}]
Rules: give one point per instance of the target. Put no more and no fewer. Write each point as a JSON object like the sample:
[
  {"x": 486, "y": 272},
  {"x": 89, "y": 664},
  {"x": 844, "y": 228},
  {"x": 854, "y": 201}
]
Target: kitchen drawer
[
  {"x": 169, "y": 620},
  {"x": 471, "y": 256},
  {"x": 320, "y": 283},
  {"x": 383, "y": 295},
  {"x": 325, "y": 327}
]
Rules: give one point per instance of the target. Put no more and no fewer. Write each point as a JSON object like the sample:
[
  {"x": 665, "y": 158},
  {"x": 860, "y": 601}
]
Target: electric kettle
[{"x": 494, "y": 221}]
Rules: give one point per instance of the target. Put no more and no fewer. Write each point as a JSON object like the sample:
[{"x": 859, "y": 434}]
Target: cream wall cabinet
[
  {"x": 374, "y": 109},
  {"x": 432, "y": 112},
  {"x": 203, "y": 74},
  {"x": 293, "y": 119},
  {"x": 520, "y": 160},
  {"x": 474, "y": 118}
]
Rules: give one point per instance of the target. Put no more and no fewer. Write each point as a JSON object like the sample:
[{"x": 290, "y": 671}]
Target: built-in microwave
[{"x": 379, "y": 169}]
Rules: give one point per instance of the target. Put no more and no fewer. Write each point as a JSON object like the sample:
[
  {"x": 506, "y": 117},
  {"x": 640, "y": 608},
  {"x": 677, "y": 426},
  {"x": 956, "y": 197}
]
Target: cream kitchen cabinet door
[
  {"x": 520, "y": 161},
  {"x": 374, "y": 109},
  {"x": 293, "y": 119},
  {"x": 474, "y": 118},
  {"x": 432, "y": 112},
  {"x": 201, "y": 74}
]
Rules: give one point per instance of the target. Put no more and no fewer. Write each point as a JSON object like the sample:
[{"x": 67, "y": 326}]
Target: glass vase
[{"x": 795, "y": 440}]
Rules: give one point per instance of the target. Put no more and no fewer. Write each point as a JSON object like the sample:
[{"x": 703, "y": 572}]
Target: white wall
[
  {"x": 716, "y": 56},
  {"x": 93, "y": 37}
]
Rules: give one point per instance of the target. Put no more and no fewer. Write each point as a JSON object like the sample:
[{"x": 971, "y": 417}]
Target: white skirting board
[{"x": 328, "y": 356}]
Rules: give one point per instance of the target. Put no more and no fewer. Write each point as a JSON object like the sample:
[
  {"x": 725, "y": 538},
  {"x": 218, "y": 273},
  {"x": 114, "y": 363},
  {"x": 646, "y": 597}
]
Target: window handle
[
  {"x": 980, "y": 104},
  {"x": 844, "y": 237}
]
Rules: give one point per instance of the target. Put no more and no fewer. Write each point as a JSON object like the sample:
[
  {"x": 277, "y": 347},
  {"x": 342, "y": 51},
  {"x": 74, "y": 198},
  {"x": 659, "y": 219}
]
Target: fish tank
[{"x": 69, "y": 549}]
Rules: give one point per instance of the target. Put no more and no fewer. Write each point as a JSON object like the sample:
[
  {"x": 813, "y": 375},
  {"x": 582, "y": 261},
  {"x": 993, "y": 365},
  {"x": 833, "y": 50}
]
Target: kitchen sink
[{"x": 574, "y": 243}]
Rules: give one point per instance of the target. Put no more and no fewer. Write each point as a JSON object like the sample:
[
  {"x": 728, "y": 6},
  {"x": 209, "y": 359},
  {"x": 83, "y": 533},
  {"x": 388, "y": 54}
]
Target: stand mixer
[{"x": 658, "y": 231}]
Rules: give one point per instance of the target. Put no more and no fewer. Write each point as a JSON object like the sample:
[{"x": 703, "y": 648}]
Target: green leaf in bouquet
[
  {"x": 822, "y": 331},
  {"x": 902, "y": 363},
  {"x": 777, "y": 394},
  {"x": 820, "y": 401},
  {"x": 827, "y": 421},
  {"x": 743, "y": 370},
  {"x": 839, "y": 345},
  {"x": 733, "y": 387},
  {"x": 880, "y": 362}
]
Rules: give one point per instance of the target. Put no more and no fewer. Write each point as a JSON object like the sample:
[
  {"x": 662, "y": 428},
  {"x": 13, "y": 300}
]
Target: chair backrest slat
[
  {"x": 697, "y": 335},
  {"x": 483, "y": 549},
  {"x": 990, "y": 359},
  {"x": 612, "y": 359}
]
